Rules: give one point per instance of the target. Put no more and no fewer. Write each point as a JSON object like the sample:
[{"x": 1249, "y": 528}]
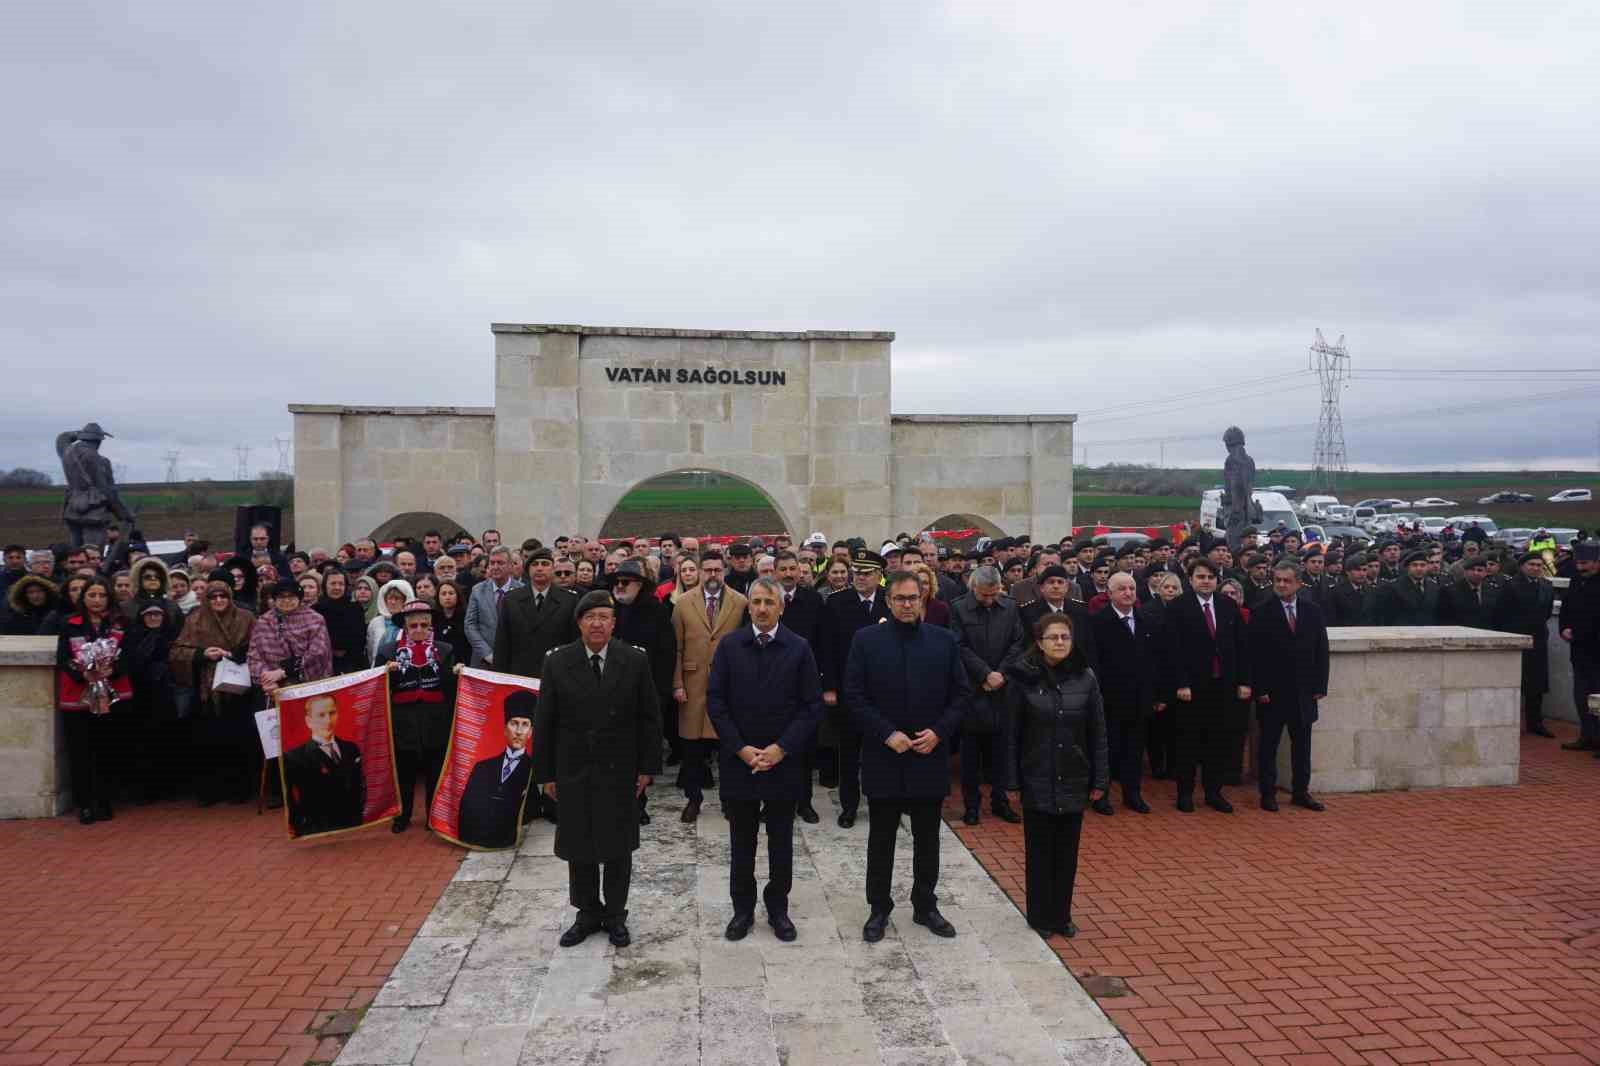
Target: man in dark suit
[
  {"x": 1289, "y": 653},
  {"x": 849, "y": 611},
  {"x": 907, "y": 690},
  {"x": 1412, "y": 600},
  {"x": 805, "y": 615},
  {"x": 765, "y": 699},
  {"x": 597, "y": 744},
  {"x": 325, "y": 787},
  {"x": 534, "y": 619},
  {"x": 1129, "y": 671},
  {"x": 1209, "y": 663},
  {"x": 646, "y": 623},
  {"x": 497, "y": 786},
  {"x": 989, "y": 633}
]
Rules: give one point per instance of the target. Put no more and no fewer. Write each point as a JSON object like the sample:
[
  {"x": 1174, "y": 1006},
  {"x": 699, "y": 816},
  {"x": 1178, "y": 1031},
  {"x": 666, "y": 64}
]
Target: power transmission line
[
  {"x": 242, "y": 472},
  {"x": 283, "y": 453},
  {"x": 1332, "y": 364},
  {"x": 172, "y": 466}
]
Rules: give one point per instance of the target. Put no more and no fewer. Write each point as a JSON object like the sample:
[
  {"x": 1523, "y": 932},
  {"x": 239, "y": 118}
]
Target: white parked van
[
  {"x": 1317, "y": 505},
  {"x": 1275, "y": 510}
]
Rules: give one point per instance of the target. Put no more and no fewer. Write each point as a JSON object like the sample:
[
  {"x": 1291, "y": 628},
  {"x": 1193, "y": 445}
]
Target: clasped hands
[
  {"x": 922, "y": 743},
  {"x": 761, "y": 759}
]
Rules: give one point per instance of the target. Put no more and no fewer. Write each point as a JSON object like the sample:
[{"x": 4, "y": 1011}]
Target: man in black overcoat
[
  {"x": 646, "y": 623},
  {"x": 989, "y": 632},
  {"x": 497, "y": 785},
  {"x": 805, "y": 615},
  {"x": 596, "y": 746},
  {"x": 1524, "y": 606},
  {"x": 325, "y": 787},
  {"x": 1289, "y": 654},
  {"x": 849, "y": 611},
  {"x": 765, "y": 699},
  {"x": 1411, "y": 599},
  {"x": 908, "y": 692},
  {"x": 534, "y": 619},
  {"x": 1209, "y": 663},
  {"x": 1469, "y": 601},
  {"x": 1130, "y": 673},
  {"x": 1580, "y": 628}
]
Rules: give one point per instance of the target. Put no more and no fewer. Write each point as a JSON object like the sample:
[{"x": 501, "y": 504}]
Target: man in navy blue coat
[
  {"x": 1289, "y": 645},
  {"x": 908, "y": 692},
  {"x": 765, "y": 700}
]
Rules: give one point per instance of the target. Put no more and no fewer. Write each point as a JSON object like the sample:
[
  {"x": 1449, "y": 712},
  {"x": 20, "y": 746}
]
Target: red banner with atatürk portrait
[
  {"x": 484, "y": 783},
  {"x": 338, "y": 754}
]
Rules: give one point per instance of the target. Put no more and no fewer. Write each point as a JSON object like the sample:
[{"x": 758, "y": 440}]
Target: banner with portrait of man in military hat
[
  {"x": 488, "y": 767},
  {"x": 338, "y": 754}
]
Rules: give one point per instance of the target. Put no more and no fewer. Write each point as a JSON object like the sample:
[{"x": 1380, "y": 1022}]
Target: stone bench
[{"x": 33, "y": 757}]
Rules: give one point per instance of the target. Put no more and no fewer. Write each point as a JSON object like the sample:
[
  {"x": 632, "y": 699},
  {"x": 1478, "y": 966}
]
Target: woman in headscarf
[
  {"x": 32, "y": 600},
  {"x": 347, "y": 629},
  {"x": 86, "y": 705},
  {"x": 243, "y": 579},
  {"x": 221, "y": 725},
  {"x": 385, "y": 628},
  {"x": 365, "y": 596}
]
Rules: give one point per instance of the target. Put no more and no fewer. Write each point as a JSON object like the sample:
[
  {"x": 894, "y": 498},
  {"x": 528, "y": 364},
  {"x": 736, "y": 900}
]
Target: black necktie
[
  {"x": 538, "y": 601},
  {"x": 867, "y": 606},
  {"x": 594, "y": 661}
]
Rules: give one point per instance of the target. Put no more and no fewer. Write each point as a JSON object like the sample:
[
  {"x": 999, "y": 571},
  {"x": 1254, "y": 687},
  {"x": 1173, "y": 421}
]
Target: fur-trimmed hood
[
  {"x": 149, "y": 562},
  {"x": 19, "y": 589}
]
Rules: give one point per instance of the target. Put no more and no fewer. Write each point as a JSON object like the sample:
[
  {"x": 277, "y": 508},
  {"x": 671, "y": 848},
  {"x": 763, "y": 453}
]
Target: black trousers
[
  {"x": 1585, "y": 682},
  {"x": 1126, "y": 737},
  {"x": 883, "y": 827},
  {"x": 583, "y": 885},
  {"x": 1273, "y": 721},
  {"x": 1201, "y": 739},
  {"x": 849, "y": 758},
  {"x": 407, "y": 765},
  {"x": 744, "y": 820},
  {"x": 696, "y": 754},
  {"x": 1533, "y": 711},
  {"x": 90, "y": 747},
  {"x": 1050, "y": 852},
  {"x": 1162, "y": 741},
  {"x": 980, "y": 765}
]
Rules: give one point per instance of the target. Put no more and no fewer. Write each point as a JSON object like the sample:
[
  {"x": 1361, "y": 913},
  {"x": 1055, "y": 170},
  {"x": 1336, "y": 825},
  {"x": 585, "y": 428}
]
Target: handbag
[{"x": 230, "y": 677}]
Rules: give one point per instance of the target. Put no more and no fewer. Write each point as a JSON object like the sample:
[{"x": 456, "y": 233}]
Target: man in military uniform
[
  {"x": 1413, "y": 600},
  {"x": 1580, "y": 628},
  {"x": 1524, "y": 607},
  {"x": 1389, "y": 561},
  {"x": 1316, "y": 585},
  {"x": 646, "y": 623},
  {"x": 849, "y": 611},
  {"x": 1469, "y": 601},
  {"x": 91, "y": 499}
]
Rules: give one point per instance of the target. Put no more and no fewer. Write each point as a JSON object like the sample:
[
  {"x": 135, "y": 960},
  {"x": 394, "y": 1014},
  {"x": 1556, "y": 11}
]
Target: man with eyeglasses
[{"x": 565, "y": 573}]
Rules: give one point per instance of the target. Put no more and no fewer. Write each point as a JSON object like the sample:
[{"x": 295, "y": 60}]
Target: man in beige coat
[{"x": 700, "y": 619}]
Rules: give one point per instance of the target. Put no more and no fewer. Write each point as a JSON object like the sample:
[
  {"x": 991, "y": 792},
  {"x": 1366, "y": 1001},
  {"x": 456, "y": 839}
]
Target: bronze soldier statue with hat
[{"x": 91, "y": 499}]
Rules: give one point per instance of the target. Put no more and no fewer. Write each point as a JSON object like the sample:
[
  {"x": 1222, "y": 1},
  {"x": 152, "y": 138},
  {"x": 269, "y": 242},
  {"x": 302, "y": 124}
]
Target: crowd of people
[{"x": 1053, "y": 669}]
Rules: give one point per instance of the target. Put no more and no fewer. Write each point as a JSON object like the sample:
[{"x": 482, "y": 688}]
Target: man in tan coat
[{"x": 700, "y": 619}]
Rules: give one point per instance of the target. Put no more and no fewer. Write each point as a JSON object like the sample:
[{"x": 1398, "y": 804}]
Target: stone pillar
[
  {"x": 33, "y": 771},
  {"x": 1050, "y": 477},
  {"x": 851, "y": 493},
  {"x": 318, "y": 475},
  {"x": 536, "y": 431}
]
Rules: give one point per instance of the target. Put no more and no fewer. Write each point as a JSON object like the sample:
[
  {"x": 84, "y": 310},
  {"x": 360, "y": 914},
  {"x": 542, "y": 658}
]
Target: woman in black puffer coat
[{"x": 1056, "y": 756}]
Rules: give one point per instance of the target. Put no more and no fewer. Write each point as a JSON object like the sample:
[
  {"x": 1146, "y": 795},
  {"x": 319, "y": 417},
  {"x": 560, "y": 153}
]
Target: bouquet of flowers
[{"x": 95, "y": 658}]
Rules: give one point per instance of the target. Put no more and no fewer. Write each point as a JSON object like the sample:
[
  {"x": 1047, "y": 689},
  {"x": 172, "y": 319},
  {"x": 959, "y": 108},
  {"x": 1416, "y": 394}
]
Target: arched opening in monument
[
  {"x": 695, "y": 503},
  {"x": 415, "y": 523},
  {"x": 969, "y": 527}
]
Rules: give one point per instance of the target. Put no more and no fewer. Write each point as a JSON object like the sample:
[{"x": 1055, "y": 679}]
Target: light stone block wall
[
  {"x": 1416, "y": 707},
  {"x": 33, "y": 769},
  {"x": 850, "y": 490},
  {"x": 987, "y": 466}
]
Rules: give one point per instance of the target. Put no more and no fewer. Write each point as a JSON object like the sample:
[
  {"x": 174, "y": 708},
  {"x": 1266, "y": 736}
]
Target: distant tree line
[{"x": 24, "y": 478}]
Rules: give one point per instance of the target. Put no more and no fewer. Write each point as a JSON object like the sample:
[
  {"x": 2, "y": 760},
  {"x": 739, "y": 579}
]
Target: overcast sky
[{"x": 211, "y": 210}]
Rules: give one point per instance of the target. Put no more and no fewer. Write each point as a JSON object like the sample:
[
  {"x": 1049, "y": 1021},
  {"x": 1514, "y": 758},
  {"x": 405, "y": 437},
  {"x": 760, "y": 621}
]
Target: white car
[
  {"x": 1433, "y": 525},
  {"x": 1572, "y": 496},
  {"x": 1463, "y": 522},
  {"x": 1433, "y": 501}
]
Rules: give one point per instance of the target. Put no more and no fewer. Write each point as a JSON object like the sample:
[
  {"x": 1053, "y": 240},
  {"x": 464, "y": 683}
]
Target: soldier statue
[
  {"x": 1238, "y": 509},
  {"x": 91, "y": 500}
]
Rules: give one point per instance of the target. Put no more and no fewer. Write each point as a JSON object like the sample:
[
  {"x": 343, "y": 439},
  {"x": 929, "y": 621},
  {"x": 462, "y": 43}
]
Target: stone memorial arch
[{"x": 584, "y": 413}]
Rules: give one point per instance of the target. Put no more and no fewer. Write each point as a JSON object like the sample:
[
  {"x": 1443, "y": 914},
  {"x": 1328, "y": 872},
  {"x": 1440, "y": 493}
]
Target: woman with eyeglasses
[
  {"x": 1056, "y": 757},
  {"x": 222, "y": 727}
]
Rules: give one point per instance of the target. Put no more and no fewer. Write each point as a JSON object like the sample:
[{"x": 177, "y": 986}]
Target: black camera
[{"x": 293, "y": 672}]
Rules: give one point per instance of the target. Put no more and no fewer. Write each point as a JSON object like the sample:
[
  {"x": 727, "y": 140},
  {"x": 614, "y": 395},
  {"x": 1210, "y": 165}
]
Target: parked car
[
  {"x": 1363, "y": 516},
  {"x": 1572, "y": 496},
  {"x": 1433, "y": 501},
  {"x": 1563, "y": 536},
  {"x": 1433, "y": 525},
  {"x": 1507, "y": 497},
  {"x": 1514, "y": 537},
  {"x": 1316, "y": 505},
  {"x": 1463, "y": 522},
  {"x": 1350, "y": 533},
  {"x": 1117, "y": 540},
  {"x": 1312, "y": 533},
  {"x": 1338, "y": 512}
]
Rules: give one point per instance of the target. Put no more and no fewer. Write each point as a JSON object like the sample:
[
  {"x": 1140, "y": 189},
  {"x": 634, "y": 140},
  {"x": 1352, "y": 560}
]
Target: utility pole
[
  {"x": 283, "y": 453},
  {"x": 242, "y": 472},
  {"x": 1332, "y": 364},
  {"x": 172, "y": 466}
]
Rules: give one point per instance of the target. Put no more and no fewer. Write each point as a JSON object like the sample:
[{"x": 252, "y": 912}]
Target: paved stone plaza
[{"x": 485, "y": 982}]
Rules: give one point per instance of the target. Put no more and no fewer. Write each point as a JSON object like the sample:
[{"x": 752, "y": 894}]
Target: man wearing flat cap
[
  {"x": 1524, "y": 606},
  {"x": 498, "y": 785},
  {"x": 597, "y": 744},
  {"x": 849, "y": 611},
  {"x": 741, "y": 567},
  {"x": 1412, "y": 600}
]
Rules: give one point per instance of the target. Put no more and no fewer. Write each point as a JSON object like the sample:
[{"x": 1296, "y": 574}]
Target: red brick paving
[
  {"x": 1437, "y": 926},
  {"x": 176, "y": 935}
]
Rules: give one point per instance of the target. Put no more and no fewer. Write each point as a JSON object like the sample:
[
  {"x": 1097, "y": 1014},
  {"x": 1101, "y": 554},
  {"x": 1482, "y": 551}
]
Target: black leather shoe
[
  {"x": 1541, "y": 731},
  {"x": 399, "y": 825},
  {"x": 876, "y": 926},
  {"x": 1578, "y": 745},
  {"x": 1306, "y": 800},
  {"x": 808, "y": 814},
  {"x": 739, "y": 925},
  {"x": 1136, "y": 803},
  {"x": 847, "y": 819},
  {"x": 644, "y": 816},
  {"x": 1070, "y": 931},
  {"x": 970, "y": 817},
  {"x": 1269, "y": 803},
  {"x": 690, "y": 812},
  {"x": 1103, "y": 806},
  {"x": 102, "y": 812},
  {"x": 618, "y": 932},
  {"x": 1219, "y": 803},
  {"x": 1004, "y": 812},
  {"x": 937, "y": 923},
  {"x": 85, "y": 816},
  {"x": 782, "y": 927},
  {"x": 1186, "y": 804},
  {"x": 580, "y": 931}
]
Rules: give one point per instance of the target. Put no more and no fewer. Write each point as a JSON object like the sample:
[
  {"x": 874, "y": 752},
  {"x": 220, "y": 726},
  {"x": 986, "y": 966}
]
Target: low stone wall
[
  {"x": 33, "y": 770},
  {"x": 1417, "y": 707}
]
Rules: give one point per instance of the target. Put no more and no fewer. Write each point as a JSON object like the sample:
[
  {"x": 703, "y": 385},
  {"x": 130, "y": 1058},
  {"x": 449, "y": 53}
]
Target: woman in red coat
[{"x": 90, "y": 681}]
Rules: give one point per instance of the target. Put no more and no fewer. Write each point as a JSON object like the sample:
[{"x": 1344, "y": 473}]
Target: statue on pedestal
[
  {"x": 91, "y": 499},
  {"x": 1238, "y": 508}
]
